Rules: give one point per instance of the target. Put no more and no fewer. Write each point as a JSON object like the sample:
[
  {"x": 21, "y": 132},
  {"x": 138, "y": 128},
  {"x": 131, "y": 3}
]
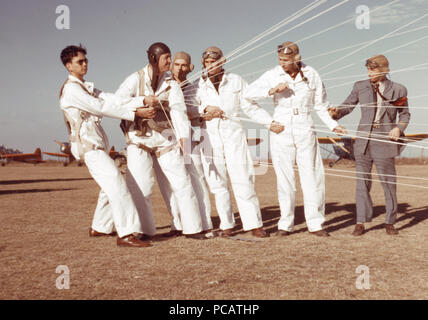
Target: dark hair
[
  {"x": 70, "y": 52},
  {"x": 155, "y": 51}
]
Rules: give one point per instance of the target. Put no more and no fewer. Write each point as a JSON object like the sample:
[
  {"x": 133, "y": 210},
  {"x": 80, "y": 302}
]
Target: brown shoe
[
  {"x": 132, "y": 241},
  {"x": 143, "y": 237},
  {"x": 389, "y": 228},
  {"x": 283, "y": 233},
  {"x": 359, "y": 230},
  {"x": 321, "y": 233},
  {"x": 259, "y": 233},
  {"x": 226, "y": 233},
  {"x": 197, "y": 236},
  {"x": 93, "y": 233},
  {"x": 172, "y": 233}
]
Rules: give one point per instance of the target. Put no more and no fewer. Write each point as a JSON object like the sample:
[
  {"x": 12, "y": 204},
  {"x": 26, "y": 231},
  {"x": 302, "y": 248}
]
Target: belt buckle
[
  {"x": 376, "y": 124},
  {"x": 295, "y": 111}
]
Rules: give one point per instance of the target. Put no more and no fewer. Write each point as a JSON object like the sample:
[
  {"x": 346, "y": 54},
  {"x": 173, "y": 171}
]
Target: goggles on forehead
[
  {"x": 283, "y": 49},
  {"x": 211, "y": 54}
]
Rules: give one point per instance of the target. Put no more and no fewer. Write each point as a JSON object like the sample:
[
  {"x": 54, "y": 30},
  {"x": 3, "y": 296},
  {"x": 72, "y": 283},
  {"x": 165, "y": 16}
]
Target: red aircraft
[
  {"x": 6, "y": 157},
  {"x": 118, "y": 157},
  {"x": 344, "y": 149}
]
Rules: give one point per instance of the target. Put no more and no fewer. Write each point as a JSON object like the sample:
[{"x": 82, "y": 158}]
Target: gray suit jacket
[{"x": 364, "y": 94}]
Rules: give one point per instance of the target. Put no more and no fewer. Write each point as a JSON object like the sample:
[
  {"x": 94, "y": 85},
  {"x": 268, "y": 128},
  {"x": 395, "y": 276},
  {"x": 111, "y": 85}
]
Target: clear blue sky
[{"x": 117, "y": 34}]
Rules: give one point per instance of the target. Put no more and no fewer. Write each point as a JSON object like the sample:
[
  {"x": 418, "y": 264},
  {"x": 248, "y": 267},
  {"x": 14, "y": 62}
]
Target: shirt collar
[{"x": 88, "y": 85}]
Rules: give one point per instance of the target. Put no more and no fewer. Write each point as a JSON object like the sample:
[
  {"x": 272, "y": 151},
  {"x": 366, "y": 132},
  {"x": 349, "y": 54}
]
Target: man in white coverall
[
  {"x": 225, "y": 150},
  {"x": 83, "y": 108},
  {"x": 181, "y": 66},
  {"x": 158, "y": 135},
  {"x": 296, "y": 88}
]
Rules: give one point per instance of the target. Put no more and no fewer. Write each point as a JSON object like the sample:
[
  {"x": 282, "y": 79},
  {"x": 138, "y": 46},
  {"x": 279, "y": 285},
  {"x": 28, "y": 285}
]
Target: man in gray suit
[{"x": 381, "y": 100}]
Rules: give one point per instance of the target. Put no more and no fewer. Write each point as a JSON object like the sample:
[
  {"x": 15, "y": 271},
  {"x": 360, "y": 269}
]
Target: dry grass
[{"x": 46, "y": 212}]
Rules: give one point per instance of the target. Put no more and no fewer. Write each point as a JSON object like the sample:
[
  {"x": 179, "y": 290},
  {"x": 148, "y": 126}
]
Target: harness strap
[
  {"x": 157, "y": 152},
  {"x": 82, "y": 147}
]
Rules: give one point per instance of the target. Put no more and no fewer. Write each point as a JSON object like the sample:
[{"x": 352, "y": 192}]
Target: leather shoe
[
  {"x": 283, "y": 233},
  {"x": 359, "y": 230},
  {"x": 172, "y": 233},
  {"x": 226, "y": 233},
  {"x": 259, "y": 233},
  {"x": 196, "y": 236},
  {"x": 93, "y": 233},
  {"x": 143, "y": 237},
  {"x": 389, "y": 228},
  {"x": 132, "y": 241},
  {"x": 321, "y": 233}
]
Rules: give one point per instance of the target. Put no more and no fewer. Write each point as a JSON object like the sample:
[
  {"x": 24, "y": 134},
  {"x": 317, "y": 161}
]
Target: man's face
[
  {"x": 164, "y": 62},
  {"x": 213, "y": 66},
  {"x": 180, "y": 69},
  {"x": 286, "y": 62},
  {"x": 78, "y": 66},
  {"x": 375, "y": 74}
]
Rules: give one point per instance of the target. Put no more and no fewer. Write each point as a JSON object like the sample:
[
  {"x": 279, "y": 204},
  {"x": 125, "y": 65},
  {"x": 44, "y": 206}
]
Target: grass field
[{"x": 46, "y": 211}]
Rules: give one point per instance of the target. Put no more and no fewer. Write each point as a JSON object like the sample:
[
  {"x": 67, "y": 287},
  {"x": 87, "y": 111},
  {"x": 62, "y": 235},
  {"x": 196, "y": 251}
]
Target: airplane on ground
[
  {"x": 65, "y": 148},
  {"x": 7, "y": 155},
  {"x": 343, "y": 147}
]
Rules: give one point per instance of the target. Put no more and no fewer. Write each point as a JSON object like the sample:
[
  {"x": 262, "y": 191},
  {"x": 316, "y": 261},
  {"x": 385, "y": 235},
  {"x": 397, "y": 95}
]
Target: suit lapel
[
  {"x": 371, "y": 97},
  {"x": 387, "y": 93}
]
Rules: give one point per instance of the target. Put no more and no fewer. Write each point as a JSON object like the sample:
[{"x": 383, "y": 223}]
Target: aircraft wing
[
  {"x": 411, "y": 137},
  {"x": 330, "y": 140},
  {"x": 416, "y": 136},
  {"x": 35, "y": 157},
  {"x": 57, "y": 154}
]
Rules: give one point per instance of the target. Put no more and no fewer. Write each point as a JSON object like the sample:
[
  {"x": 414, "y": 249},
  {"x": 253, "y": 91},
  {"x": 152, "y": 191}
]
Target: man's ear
[
  {"x": 191, "y": 67},
  {"x": 68, "y": 66}
]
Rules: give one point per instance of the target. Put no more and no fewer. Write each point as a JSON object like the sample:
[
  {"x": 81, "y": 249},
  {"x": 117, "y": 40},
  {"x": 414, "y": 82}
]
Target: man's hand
[
  {"x": 151, "y": 101},
  {"x": 212, "y": 112},
  {"x": 279, "y": 88},
  {"x": 276, "y": 127},
  {"x": 333, "y": 112},
  {"x": 339, "y": 130},
  {"x": 145, "y": 112},
  {"x": 394, "y": 134}
]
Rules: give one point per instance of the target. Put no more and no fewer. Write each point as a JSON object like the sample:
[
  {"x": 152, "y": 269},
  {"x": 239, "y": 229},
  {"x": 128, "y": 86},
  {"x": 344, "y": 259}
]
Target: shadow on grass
[
  {"x": 6, "y": 182},
  {"x": 272, "y": 214},
  {"x": 32, "y": 191}
]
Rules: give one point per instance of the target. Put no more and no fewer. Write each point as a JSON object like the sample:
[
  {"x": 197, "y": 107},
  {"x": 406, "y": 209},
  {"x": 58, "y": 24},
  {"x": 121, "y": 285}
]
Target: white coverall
[
  {"x": 298, "y": 142},
  {"x": 194, "y": 167},
  {"x": 140, "y": 163},
  {"x": 225, "y": 150},
  {"x": 115, "y": 206}
]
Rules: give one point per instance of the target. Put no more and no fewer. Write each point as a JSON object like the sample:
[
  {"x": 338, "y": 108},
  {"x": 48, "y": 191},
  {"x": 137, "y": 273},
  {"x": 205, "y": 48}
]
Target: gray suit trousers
[{"x": 384, "y": 166}]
